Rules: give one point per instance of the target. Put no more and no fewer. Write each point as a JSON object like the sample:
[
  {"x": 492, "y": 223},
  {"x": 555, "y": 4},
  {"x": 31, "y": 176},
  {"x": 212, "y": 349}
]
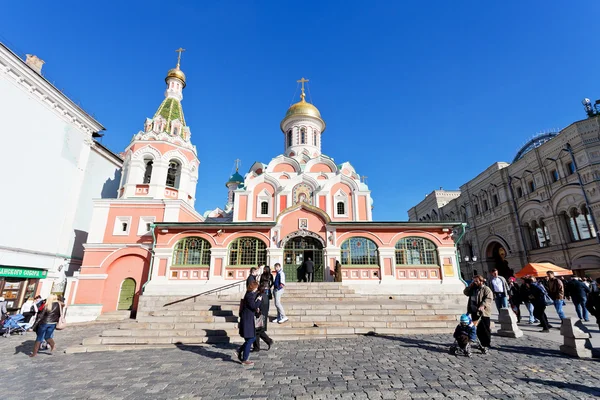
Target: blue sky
[{"x": 416, "y": 95}]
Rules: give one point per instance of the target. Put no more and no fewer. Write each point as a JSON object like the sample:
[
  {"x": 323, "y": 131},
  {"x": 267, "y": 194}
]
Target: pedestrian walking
[
  {"x": 479, "y": 308},
  {"x": 45, "y": 324},
  {"x": 309, "y": 269},
  {"x": 251, "y": 277},
  {"x": 265, "y": 286},
  {"x": 337, "y": 277},
  {"x": 525, "y": 292},
  {"x": 593, "y": 303},
  {"x": 556, "y": 291},
  {"x": 514, "y": 297},
  {"x": 278, "y": 288},
  {"x": 537, "y": 296},
  {"x": 247, "y": 329},
  {"x": 577, "y": 292},
  {"x": 499, "y": 286}
]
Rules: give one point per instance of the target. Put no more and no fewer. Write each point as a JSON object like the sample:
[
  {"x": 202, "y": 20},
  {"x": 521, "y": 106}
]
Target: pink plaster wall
[
  {"x": 128, "y": 266},
  {"x": 135, "y": 212},
  {"x": 289, "y": 222},
  {"x": 362, "y": 208},
  {"x": 321, "y": 167},
  {"x": 162, "y": 267},
  {"x": 164, "y": 148},
  {"x": 323, "y": 203},
  {"x": 218, "y": 266},
  {"x": 242, "y": 207},
  {"x": 282, "y": 202},
  {"x": 284, "y": 167}
]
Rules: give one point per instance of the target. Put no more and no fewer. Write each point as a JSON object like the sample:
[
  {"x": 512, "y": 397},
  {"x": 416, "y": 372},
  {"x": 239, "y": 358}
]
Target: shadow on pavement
[
  {"x": 565, "y": 385},
  {"x": 418, "y": 343},
  {"x": 26, "y": 347},
  {"x": 207, "y": 352}
]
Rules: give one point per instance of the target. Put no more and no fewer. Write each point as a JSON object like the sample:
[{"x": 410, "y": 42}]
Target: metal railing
[{"x": 208, "y": 292}]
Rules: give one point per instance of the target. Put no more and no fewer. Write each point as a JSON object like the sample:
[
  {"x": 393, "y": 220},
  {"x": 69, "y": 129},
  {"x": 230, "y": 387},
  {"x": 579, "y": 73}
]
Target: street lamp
[{"x": 470, "y": 261}]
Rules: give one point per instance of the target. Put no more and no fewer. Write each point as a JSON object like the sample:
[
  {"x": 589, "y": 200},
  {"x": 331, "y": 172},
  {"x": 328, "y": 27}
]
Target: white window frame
[
  {"x": 142, "y": 225},
  {"x": 340, "y": 196},
  {"x": 264, "y": 196},
  {"x": 117, "y": 229}
]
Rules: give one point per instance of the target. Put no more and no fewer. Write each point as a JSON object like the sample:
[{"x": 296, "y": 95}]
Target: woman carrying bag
[
  {"x": 249, "y": 308},
  {"x": 266, "y": 283},
  {"x": 46, "y": 323}
]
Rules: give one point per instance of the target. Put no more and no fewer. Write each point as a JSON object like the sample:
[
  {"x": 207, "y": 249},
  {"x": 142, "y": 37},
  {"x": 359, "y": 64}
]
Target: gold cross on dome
[
  {"x": 179, "y": 50},
  {"x": 302, "y": 81},
  {"x": 237, "y": 164}
]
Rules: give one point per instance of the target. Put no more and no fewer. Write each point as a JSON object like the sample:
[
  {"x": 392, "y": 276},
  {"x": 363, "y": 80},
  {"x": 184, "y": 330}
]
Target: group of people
[
  {"x": 261, "y": 287},
  {"x": 535, "y": 294},
  {"x": 41, "y": 316}
]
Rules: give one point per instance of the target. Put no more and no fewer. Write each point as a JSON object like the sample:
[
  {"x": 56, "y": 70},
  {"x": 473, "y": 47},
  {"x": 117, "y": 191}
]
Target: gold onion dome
[
  {"x": 303, "y": 108},
  {"x": 176, "y": 73}
]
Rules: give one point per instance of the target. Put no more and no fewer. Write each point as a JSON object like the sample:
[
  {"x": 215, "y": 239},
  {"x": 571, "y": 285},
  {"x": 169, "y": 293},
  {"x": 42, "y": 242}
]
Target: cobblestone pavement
[{"x": 363, "y": 368}]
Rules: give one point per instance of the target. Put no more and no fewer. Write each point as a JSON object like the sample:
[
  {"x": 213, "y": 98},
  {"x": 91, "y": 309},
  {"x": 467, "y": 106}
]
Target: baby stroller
[{"x": 13, "y": 324}]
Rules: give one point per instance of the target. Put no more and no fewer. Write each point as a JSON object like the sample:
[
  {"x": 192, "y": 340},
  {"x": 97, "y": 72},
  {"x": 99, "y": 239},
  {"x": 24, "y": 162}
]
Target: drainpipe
[
  {"x": 587, "y": 201},
  {"x": 463, "y": 226},
  {"x": 514, "y": 201},
  {"x": 152, "y": 226}
]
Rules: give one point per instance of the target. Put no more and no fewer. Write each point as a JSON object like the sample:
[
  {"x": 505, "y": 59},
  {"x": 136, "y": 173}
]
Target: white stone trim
[
  {"x": 93, "y": 276},
  {"x": 118, "y": 228},
  {"x": 142, "y": 231}
]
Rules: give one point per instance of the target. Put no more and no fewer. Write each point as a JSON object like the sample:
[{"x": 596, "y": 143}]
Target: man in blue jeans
[
  {"x": 556, "y": 291},
  {"x": 278, "y": 287},
  {"x": 500, "y": 288}
]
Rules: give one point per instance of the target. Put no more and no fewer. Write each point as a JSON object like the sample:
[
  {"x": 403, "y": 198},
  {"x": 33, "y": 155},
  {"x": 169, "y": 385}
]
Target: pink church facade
[{"x": 300, "y": 205}]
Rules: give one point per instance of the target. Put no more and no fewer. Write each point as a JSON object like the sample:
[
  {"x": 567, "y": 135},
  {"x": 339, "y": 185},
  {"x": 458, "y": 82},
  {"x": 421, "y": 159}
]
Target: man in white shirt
[
  {"x": 278, "y": 288},
  {"x": 500, "y": 288}
]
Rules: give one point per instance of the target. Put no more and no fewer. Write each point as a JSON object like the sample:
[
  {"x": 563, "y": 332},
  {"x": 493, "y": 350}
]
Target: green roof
[
  {"x": 170, "y": 109},
  {"x": 235, "y": 178}
]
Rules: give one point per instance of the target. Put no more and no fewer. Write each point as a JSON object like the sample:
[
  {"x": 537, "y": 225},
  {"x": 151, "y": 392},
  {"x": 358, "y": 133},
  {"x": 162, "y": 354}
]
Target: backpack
[{"x": 547, "y": 298}]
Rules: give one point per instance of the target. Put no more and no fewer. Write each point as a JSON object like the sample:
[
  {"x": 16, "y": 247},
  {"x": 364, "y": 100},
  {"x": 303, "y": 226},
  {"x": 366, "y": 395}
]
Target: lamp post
[{"x": 470, "y": 261}]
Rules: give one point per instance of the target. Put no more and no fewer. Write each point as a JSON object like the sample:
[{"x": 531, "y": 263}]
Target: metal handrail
[{"x": 215, "y": 290}]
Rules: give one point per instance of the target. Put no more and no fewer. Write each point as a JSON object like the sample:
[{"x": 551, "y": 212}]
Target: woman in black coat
[
  {"x": 247, "y": 329},
  {"x": 264, "y": 290}
]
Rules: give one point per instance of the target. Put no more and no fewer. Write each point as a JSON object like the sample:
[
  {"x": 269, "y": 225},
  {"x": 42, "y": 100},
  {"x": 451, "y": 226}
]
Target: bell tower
[{"x": 161, "y": 162}]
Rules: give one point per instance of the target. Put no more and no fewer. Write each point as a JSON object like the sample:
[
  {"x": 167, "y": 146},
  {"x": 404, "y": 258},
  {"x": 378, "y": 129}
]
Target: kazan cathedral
[{"x": 150, "y": 240}]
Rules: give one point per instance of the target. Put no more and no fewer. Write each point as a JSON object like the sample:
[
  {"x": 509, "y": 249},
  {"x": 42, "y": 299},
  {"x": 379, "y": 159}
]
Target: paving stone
[{"x": 366, "y": 367}]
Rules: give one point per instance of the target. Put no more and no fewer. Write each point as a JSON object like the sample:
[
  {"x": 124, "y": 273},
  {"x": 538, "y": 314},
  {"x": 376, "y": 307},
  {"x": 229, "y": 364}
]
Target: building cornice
[{"x": 12, "y": 66}]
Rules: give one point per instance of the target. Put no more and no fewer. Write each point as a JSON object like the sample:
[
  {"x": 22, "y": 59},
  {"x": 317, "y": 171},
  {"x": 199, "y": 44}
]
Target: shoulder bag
[{"x": 62, "y": 323}]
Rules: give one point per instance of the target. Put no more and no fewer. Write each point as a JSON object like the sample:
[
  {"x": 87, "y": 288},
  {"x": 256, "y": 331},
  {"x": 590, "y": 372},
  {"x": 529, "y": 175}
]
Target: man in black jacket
[
  {"x": 593, "y": 303},
  {"x": 309, "y": 268},
  {"x": 578, "y": 291}
]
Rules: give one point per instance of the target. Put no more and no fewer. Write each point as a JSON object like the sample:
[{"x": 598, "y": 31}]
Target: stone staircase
[{"x": 315, "y": 310}]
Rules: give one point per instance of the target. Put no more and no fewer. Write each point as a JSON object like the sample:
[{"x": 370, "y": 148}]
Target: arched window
[
  {"x": 580, "y": 224},
  {"x": 264, "y": 208},
  {"x": 314, "y": 138},
  {"x": 416, "y": 251},
  {"x": 359, "y": 251},
  {"x": 289, "y": 138},
  {"x": 341, "y": 208},
  {"x": 543, "y": 234},
  {"x": 192, "y": 251},
  {"x": 303, "y": 136},
  {"x": 173, "y": 174},
  {"x": 148, "y": 171},
  {"x": 247, "y": 251}
]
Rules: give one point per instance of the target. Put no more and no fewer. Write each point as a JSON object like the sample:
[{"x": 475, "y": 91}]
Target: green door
[
  {"x": 298, "y": 249},
  {"x": 126, "y": 295}
]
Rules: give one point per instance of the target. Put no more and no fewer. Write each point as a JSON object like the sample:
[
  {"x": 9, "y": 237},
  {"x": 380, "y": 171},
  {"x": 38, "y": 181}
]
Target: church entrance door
[
  {"x": 127, "y": 294},
  {"x": 299, "y": 249}
]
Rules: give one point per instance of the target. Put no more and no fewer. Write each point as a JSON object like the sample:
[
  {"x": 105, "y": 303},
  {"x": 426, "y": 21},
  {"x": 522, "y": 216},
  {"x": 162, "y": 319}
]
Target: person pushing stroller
[{"x": 464, "y": 334}]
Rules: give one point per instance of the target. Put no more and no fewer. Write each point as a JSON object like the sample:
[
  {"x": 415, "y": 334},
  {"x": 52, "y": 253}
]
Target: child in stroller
[{"x": 465, "y": 334}]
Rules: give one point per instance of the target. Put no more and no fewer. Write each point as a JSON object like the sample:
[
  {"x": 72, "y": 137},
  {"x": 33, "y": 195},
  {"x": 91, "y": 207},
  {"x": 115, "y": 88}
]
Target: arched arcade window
[
  {"x": 580, "y": 224},
  {"x": 173, "y": 174},
  {"x": 416, "y": 251},
  {"x": 359, "y": 251},
  {"x": 192, "y": 251},
  {"x": 247, "y": 251}
]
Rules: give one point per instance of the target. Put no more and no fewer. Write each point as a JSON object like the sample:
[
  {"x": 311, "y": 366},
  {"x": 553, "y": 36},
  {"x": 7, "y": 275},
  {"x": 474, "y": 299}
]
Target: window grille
[
  {"x": 359, "y": 251},
  {"x": 247, "y": 251},
  {"x": 173, "y": 174},
  {"x": 192, "y": 251},
  {"x": 264, "y": 208},
  {"x": 341, "y": 208},
  {"x": 416, "y": 251},
  {"x": 148, "y": 172},
  {"x": 580, "y": 224}
]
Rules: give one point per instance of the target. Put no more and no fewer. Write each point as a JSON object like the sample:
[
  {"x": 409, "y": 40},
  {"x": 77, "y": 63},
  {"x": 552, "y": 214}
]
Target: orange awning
[{"x": 538, "y": 270}]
